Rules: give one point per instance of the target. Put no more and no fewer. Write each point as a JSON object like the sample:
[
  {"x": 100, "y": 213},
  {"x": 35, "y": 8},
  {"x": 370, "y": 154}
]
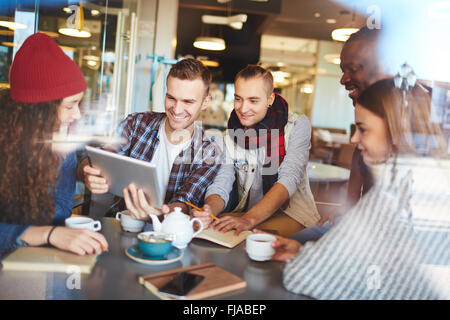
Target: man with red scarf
[{"x": 264, "y": 182}]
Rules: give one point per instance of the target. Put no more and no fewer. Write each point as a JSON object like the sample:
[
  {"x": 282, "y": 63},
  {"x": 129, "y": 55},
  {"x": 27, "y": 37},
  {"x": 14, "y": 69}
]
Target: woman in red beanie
[{"x": 37, "y": 184}]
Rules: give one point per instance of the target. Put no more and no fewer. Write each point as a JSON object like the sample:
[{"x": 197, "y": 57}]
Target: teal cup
[{"x": 155, "y": 245}]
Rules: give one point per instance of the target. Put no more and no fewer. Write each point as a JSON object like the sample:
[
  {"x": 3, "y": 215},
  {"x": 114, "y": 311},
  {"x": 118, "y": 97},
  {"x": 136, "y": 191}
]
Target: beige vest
[{"x": 301, "y": 208}]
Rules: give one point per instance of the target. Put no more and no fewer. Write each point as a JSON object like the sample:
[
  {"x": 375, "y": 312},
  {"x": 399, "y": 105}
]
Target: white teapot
[{"x": 177, "y": 223}]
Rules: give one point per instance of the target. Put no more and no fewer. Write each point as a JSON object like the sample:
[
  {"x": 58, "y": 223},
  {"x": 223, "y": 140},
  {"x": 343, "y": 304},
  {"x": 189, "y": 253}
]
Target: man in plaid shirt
[{"x": 187, "y": 159}]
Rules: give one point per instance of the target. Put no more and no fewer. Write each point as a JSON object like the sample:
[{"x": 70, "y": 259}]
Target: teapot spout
[{"x": 155, "y": 222}]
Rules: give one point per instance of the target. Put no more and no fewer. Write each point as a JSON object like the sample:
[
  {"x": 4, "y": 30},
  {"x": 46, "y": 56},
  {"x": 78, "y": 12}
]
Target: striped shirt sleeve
[{"x": 371, "y": 253}]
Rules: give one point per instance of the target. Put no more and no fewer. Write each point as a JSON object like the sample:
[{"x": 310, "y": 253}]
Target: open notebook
[
  {"x": 227, "y": 239},
  {"x": 47, "y": 260}
]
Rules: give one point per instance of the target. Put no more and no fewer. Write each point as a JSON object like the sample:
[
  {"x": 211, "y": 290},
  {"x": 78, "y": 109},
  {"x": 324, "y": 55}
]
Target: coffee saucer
[{"x": 135, "y": 254}]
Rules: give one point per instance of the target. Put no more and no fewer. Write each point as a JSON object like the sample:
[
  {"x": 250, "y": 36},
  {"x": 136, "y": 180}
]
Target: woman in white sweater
[{"x": 391, "y": 243}]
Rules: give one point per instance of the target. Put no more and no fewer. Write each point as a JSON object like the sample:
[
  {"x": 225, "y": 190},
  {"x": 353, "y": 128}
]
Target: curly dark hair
[{"x": 28, "y": 167}]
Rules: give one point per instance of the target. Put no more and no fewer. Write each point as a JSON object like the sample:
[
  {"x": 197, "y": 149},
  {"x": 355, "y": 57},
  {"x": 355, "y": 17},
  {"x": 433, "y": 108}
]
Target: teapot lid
[
  {"x": 177, "y": 210},
  {"x": 176, "y": 214}
]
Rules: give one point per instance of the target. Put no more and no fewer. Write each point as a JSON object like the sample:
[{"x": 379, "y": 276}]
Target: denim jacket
[{"x": 63, "y": 196}]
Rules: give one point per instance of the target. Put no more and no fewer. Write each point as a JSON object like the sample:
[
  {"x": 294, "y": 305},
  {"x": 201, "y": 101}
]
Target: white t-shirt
[{"x": 165, "y": 155}]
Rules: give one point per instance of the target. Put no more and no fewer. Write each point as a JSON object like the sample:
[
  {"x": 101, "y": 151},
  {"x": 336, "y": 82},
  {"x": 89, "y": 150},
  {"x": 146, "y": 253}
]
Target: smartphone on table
[{"x": 180, "y": 286}]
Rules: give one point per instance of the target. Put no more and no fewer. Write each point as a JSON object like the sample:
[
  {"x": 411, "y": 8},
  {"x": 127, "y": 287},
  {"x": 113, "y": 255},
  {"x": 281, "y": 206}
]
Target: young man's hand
[
  {"x": 228, "y": 223},
  {"x": 285, "y": 248},
  {"x": 94, "y": 180},
  {"x": 137, "y": 203},
  {"x": 327, "y": 217},
  {"x": 203, "y": 215}
]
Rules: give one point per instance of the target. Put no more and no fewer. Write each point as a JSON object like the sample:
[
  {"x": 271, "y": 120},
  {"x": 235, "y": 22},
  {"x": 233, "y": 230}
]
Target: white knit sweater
[{"x": 394, "y": 244}]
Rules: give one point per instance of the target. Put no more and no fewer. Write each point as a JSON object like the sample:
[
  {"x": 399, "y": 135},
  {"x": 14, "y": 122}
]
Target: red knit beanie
[{"x": 41, "y": 72}]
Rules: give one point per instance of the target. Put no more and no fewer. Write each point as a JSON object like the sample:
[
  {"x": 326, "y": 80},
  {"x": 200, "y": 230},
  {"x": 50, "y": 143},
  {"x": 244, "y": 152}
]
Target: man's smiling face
[
  {"x": 184, "y": 101},
  {"x": 360, "y": 67}
]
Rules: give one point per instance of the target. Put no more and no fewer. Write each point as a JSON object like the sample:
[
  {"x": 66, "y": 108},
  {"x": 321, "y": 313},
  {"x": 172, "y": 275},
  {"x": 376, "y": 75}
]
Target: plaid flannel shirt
[{"x": 193, "y": 170}]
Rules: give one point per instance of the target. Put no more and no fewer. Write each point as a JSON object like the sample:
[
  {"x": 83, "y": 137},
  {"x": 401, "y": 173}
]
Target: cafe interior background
[{"x": 126, "y": 47}]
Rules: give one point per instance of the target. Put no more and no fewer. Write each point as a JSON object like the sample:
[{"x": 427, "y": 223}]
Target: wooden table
[
  {"x": 328, "y": 184},
  {"x": 115, "y": 276},
  {"x": 320, "y": 172}
]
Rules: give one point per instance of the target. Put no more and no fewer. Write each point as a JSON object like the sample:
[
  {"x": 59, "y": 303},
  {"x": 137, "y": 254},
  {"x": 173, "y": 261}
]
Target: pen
[{"x": 197, "y": 208}]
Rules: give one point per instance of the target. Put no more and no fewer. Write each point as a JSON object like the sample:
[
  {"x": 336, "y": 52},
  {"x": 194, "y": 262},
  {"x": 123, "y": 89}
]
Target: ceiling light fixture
[
  {"x": 333, "y": 58},
  {"x": 11, "y": 25},
  {"x": 91, "y": 57},
  {"x": 12, "y": 44},
  {"x": 9, "y": 44},
  {"x": 210, "y": 43},
  {"x": 307, "y": 88},
  {"x": 280, "y": 77},
  {"x": 66, "y": 48},
  {"x": 236, "y": 22},
  {"x": 210, "y": 63},
  {"x": 49, "y": 33},
  {"x": 281, "y": 74},
  {"x": 212, "y": 40},
  {"x": 72, "y": 32},
  {"x": 342, "y": 34},
  {"x": 8, "y": 33},
  {"x": 280, "y": 82}
]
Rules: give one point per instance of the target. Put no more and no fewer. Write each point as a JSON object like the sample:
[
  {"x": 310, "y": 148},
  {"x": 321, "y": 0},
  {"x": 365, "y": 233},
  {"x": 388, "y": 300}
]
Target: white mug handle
[
  {"x": 118, "y": 216},
  {"x": 97, "y": 226},
  {"x": 201, "y": 226}
]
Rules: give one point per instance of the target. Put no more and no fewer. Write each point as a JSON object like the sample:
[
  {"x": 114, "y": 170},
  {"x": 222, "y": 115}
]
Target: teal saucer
[{"x": 135, "y": 254}]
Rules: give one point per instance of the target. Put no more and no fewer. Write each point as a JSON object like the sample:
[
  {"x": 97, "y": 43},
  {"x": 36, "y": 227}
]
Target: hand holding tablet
[
  {"x": 137, "y": 204},
  {"x": 94, "y": 180},
  {"x": 111, "y": 172}
]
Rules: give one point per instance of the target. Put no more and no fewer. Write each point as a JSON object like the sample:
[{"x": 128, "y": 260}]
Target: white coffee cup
[
  {"x": 259, "y": 246},
  {"x": 128, "y": 223},
  {"x": 83, "y": 223}
]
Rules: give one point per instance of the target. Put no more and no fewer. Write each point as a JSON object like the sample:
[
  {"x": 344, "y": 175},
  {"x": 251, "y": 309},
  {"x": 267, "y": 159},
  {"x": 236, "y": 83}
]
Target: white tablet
[{"x": 119, "y": 171}]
